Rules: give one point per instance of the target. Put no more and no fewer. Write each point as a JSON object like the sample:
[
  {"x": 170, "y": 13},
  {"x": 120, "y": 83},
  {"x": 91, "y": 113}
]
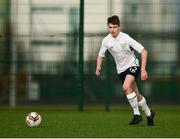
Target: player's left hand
[
  {"x": 144, "y": 75},
  {"x": 98, "y": 71}
]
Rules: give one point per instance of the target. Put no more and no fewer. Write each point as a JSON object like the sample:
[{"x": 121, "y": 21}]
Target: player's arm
[
  {"x": 99, "y": 62},
  {"x": 100, "y": 58},
  {"x": 144, "y": 57}
]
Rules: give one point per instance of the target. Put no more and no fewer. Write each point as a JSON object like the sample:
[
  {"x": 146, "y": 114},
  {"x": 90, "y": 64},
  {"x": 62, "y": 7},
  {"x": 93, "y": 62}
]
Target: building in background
[{"x": 45, "y": 38}]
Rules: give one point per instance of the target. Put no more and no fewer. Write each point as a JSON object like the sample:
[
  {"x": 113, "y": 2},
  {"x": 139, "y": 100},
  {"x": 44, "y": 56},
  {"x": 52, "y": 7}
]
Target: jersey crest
[{"x": 123, "y": 45}]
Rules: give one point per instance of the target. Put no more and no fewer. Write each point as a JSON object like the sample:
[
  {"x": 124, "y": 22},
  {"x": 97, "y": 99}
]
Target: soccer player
[{"x": 122, "y": 47}]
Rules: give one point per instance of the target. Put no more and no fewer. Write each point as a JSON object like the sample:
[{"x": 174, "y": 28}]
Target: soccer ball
[{"x": 33, "y": 119}]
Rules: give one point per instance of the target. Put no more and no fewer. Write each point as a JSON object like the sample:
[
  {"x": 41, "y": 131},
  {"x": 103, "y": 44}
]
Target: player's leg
[
  {"x": 143, "y": 105},
  {"x": 141, "y": 100},
  {"x": 132, "y": 98},
  {"x": 136, "y": 90}
]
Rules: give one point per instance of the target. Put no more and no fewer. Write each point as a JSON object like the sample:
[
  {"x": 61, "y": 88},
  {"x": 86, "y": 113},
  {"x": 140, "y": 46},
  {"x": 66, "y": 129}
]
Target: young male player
[{"x": 122, "y": 47}]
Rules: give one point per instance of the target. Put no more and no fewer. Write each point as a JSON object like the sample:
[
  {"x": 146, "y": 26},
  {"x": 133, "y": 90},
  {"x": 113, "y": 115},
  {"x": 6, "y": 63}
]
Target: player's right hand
[{"x": 98, "y": 72}]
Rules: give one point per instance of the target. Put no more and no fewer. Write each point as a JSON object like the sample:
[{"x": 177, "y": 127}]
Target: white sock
[
  {"x": 132, "y": 98},
  {"x": 144, "y": 107}
]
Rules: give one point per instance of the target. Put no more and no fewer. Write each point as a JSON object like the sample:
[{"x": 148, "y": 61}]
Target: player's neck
[{"x": 116, "y": 35}]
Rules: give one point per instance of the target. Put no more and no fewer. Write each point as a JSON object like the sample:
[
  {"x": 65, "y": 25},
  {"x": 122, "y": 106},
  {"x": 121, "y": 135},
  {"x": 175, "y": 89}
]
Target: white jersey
[{"x": 122, "y": 49}]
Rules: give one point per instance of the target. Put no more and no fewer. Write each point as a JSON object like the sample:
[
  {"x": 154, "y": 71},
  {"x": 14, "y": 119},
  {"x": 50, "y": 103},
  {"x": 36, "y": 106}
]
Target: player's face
[{"x": 113, "y": 29}]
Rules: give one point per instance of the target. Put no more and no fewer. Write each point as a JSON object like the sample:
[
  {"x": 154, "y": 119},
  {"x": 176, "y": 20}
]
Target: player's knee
[
  {"x": 139, "y": 97},
  {"x": 127, "y": 88}
]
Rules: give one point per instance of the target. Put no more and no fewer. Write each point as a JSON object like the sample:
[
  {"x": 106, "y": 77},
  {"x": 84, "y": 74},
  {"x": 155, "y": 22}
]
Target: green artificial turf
[{"x": 58, "y": 122}]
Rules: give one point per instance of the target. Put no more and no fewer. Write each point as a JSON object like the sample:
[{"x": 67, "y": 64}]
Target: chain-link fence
[{"x": 39, "y": 59}]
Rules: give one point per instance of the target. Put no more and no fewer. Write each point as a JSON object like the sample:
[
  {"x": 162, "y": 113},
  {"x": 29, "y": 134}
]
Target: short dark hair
[{"x": 113, "y": 20}]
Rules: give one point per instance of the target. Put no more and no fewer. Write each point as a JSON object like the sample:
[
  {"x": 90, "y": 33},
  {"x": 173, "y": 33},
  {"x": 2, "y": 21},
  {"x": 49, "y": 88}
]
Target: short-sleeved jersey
[{"x": 122, "y": 49}]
